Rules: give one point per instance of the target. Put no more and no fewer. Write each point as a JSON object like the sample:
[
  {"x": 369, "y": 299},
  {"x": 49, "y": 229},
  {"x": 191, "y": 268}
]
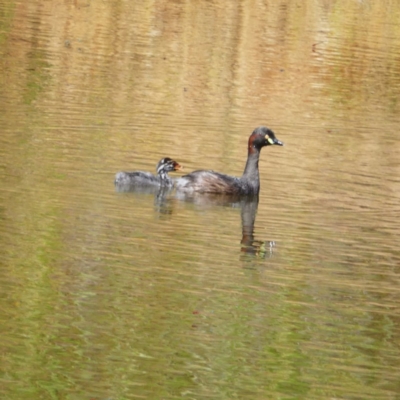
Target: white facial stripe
[{"x": 270, "y": 141}]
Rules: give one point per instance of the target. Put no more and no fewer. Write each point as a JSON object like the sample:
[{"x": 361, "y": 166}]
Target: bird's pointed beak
[
  {"x": 275, "y": 141},
  {"x": 178, "y": 167}
]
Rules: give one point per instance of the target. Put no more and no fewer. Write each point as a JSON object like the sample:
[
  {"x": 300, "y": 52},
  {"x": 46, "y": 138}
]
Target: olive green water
[{"x": 109, "y": 295}]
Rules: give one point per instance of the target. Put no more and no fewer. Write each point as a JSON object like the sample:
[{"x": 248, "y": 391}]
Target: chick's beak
[{"x": 177, "y": 167}]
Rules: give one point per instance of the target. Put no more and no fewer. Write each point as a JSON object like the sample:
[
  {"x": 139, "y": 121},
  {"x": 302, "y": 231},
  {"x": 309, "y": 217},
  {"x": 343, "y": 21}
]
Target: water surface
[{"x": 126, "y": 295}]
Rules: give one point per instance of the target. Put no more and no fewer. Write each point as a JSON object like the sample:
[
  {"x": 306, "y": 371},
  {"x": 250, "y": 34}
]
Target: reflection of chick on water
[{"x": 143, "y": 182}]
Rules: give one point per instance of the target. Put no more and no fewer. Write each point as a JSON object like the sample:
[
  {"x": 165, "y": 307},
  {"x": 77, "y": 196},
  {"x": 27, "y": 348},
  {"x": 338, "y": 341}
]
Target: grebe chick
[
  {"x": 141, "y": 178},
  {"x": 206, "y": 181}
]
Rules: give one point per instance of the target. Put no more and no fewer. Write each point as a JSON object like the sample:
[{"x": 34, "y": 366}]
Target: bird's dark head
[{"x": 262, "y": 136}]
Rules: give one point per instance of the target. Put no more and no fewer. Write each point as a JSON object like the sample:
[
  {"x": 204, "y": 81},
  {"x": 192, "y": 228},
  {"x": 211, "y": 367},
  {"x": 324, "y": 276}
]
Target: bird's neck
[
  {"x": 251, "y": 174},
  {"x": 163, "y": 175}
]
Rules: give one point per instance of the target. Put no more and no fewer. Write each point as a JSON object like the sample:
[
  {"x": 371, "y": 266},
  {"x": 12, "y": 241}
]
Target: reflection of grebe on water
[
  {"x": 248, "y": 206},
  {"x": 164, "y": 202},
  {"x": 259, "y": 248}
]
